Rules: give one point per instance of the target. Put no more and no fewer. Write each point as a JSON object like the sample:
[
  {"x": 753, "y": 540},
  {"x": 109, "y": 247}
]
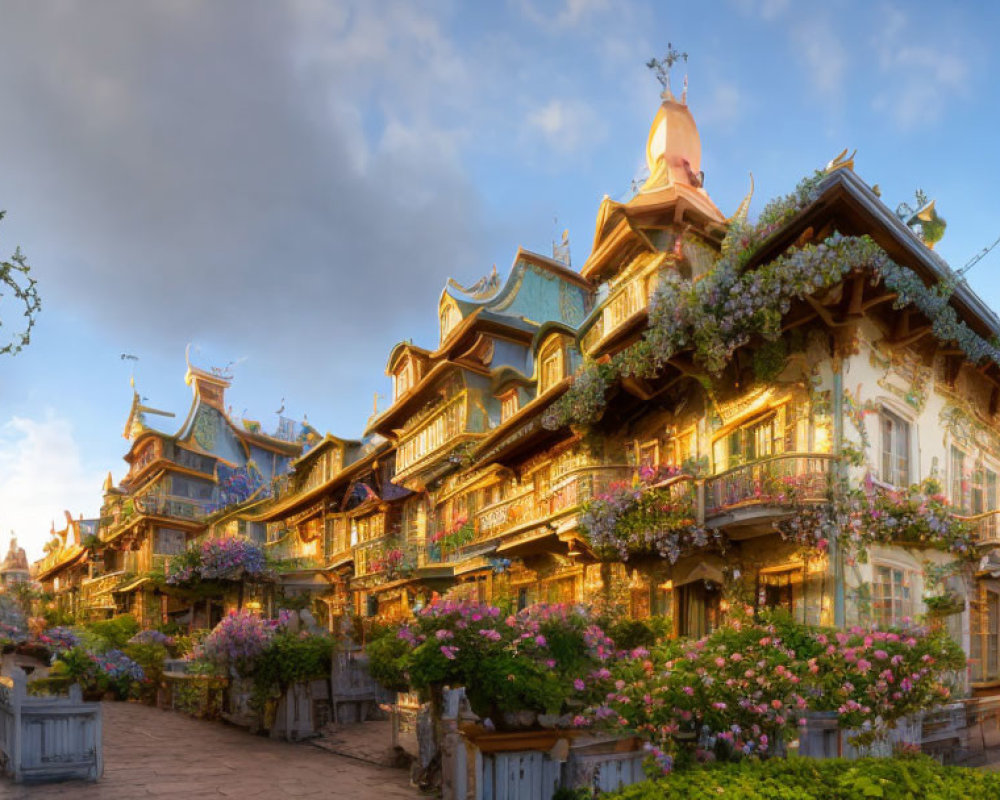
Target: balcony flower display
[
  {"x": 918, "y": 517},
  {"x": 392, "y": 563},
  {"x": 218, "y": 559},
  {"x": 459, "y": 533},
  {"x": 645, "y": 518},
  {"x": 733, "y": 306}
]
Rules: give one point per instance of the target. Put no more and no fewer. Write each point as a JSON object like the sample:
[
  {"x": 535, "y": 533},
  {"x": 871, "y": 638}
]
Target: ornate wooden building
[{"x": 709, "y": 412}]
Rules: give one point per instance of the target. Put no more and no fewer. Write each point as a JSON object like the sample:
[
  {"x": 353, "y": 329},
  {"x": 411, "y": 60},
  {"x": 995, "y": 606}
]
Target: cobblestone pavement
[{"x": 153, "y": 753}]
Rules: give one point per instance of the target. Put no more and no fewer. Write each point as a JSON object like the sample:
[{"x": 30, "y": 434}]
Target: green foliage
[
  {"x": 52, "y": 685},
  {"x": 918, "y": 778},
  {"x": 769, "y": 360},
  {"x": 200, "y": 696},
  {"x": 388, "y": 657},
  {"x": 628, "y": 634},
  {"x": 150, "y": 657},
  {"x": 290, "y": 658},
  {"x": 110, "y": 634}
]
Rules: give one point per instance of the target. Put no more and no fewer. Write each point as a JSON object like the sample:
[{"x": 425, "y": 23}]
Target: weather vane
[{"x": 662, "y": 67}]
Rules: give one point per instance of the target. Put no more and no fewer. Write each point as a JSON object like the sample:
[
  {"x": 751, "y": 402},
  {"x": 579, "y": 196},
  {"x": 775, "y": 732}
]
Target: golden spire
[{"x": 673, "y": 149}]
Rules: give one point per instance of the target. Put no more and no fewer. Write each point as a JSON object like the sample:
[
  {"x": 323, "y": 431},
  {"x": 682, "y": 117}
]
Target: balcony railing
[
  {"x": 571, "y": 491},
  {"x": 621, "y": 306},
  {"x": 434, "y": 432},
  {"x": 96, "y": 592},
  {"x": 292, "y": 549},
  {"x": 124, "y": 512},
  {"x": 986, "y": 524},
  {"x": 771, "y": 481}
]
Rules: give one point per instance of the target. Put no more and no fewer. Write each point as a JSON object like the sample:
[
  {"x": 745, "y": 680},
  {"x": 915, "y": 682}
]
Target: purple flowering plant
[
  {"x": 652, "y": 515},
  {"x": 228, "y": 558},
  {"x": 238, "y": 641}
]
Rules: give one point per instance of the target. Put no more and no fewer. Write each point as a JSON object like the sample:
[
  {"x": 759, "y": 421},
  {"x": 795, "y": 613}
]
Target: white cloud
[
  {"x": 567, "y": 126},
  {"x": 919, "y": 77},
  {"x": 568, "y": 14},
  {"x": 41, "y": 475},
  {"x": 821, "y": 51},
  {"x": 726, "y": 103},
  {"x": 767, "y": 10}
]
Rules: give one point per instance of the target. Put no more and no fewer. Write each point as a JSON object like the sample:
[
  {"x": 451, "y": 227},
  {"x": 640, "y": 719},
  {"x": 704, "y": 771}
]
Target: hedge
[{"x": 912, "y": 778}]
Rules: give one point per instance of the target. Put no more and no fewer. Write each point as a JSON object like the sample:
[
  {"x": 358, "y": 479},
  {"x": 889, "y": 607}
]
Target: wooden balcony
[
  {"x": 570, "y": 492},
  {"x": 290, "y": 550},
  {"x": 621, "y": 308},
  {"x": 125, "y": 512},
  {"x": 440, "y": 428},
  {"x": 778, "y": 480},
  {"x": 986, "y": 525},
  {"x": 96, "y": 593}
]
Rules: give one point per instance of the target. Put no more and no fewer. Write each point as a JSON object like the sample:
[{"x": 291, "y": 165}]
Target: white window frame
[
  {"x": 908, "y": 586},
  {"x": 890, "y": 470}
]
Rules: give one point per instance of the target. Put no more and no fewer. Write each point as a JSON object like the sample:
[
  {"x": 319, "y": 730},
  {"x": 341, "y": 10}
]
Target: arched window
[
  {"x": 552, "y": 367},
  {"x": 450, "y": 317},
  {"x": 402, "y": 379}
]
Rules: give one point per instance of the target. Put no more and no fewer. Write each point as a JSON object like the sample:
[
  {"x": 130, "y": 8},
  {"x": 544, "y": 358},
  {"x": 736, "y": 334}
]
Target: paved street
[{"x": 153, "y": 753}]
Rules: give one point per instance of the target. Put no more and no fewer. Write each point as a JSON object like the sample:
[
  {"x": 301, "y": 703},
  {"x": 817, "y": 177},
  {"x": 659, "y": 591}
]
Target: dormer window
[
  {"x": 450, "y": 317},
  {"x": 402, "y": 379},
  {"x": 508, "y": 405},
  {"x": 552, "y": 365}
]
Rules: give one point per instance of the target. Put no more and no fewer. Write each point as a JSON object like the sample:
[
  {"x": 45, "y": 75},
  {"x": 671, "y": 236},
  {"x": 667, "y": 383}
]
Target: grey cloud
[{"x": 200, "y": 170}]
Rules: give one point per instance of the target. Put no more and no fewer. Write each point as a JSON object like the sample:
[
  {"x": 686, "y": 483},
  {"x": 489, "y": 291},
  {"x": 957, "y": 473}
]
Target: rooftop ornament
[
  {"x": 662, "y": 67},
  {"x": 923, "y": 219}
]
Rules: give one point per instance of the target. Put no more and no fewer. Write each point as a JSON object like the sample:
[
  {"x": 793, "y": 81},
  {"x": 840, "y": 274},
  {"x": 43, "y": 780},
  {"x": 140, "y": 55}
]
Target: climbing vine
[
  {"x": 724, "y": 311},
  {"x": 15, "y": 282}
]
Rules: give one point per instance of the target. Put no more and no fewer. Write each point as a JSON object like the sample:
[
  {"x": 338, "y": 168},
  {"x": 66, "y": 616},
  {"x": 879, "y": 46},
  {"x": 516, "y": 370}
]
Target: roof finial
[{"x": 662, "y": 67}]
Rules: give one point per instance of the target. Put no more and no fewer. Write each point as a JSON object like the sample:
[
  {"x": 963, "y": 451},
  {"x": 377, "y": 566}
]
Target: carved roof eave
[
  {"x": 845, "y": 196},
  {"x": 623, "y": 242},
  {"x": 295, "y": 502},
  {"x": 66, "y": 560},
  {"x": 618, "y": 231},
  {"x": 486, "y": 449},
  {"x": 327, "y": 442},
  {"x": 186, "y": 435},
  {"x": 142, "y": 438},
  {"x": 266, "y": 442},
  {"x": 403, "y": 349},
  {"x": 511, "y": 284},
  {"x": 393, "y": 417}
]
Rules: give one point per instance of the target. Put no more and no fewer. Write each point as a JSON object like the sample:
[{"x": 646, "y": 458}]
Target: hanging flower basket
[{"x": 944, "y": 605}]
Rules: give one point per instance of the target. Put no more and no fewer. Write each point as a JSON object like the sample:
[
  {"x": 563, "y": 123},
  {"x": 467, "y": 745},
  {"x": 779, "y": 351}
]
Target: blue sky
[{"x": 288, "y": 186}]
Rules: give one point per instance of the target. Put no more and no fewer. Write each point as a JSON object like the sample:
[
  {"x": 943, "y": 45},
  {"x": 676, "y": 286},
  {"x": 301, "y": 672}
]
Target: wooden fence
[{"x": 48, "y": 738}]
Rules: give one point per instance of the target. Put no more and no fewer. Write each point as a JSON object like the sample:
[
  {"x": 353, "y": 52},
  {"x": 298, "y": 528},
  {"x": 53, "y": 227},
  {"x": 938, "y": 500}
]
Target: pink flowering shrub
[
  {"x": 872, "y": 677},
  {"x": 534, "y": 660},
  {"x": 743, "y": 690}
]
